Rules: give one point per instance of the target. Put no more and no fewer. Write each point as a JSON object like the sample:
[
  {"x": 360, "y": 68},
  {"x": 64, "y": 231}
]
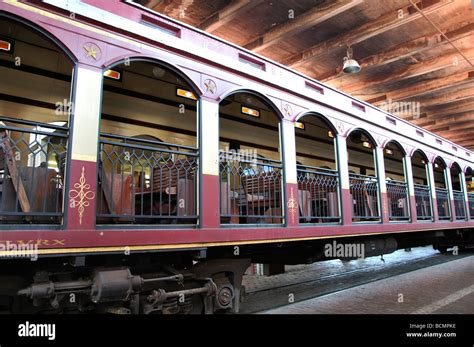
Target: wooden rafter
[
  {"x": 443, "y": 116},
  {"x": 301, "y": 23},
  {"x": 456, "y": 121},
  {"x": 424, "y": 88},
  {"x": 408, "y": 49},
  {"x": 453, "y": 61},
  {"x": 227, "y": 14},
  {"x": 371, "y": 29},
  {"x": 449, "y": 97}
]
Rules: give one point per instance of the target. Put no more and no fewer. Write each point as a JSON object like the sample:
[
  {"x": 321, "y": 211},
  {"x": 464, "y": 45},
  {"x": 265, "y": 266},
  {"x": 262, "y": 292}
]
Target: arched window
[
  {"x": 250, "y": 160},
  {"x": 148, "y": 155},
  {"x": 317, "y": 174},
  {"x": 363, "y": 184},
  {"x": 36, "y": 79},
  {"x": 419, "y": 165},
  {"x": 397, "y": 188}
]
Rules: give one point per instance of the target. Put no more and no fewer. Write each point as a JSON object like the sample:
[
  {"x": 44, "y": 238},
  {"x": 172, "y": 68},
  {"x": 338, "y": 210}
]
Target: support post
[
  {"x": 449, "y": 185},
  {"x": 411, "y": 188},
  {"x": 209, "y": 207},
  {"x": 346, "y": 201},
  {"x": 81, "y": 192},
  {"x": 383, "y": 200},
  {"x": 290, "y": 173},
  {"x": 432, "y": 185}
]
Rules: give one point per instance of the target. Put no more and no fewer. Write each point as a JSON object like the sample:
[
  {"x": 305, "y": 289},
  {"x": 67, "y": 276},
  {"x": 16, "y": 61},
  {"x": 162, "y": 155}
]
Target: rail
[
  {"x": 318, "y": 195},
  {"x": 442, "y": 201},
  {"x": 397, "y": 195},
  {"x": 424, "y": 210},
  {"x": 144, "y": 181},
  {"x": 250, "y": 190},
  {"x": 459, "y": 205},
  {"x": 32, "y": 170},
  {"x": 470, "y": 198},
  {"x": 364, "y": 195}
]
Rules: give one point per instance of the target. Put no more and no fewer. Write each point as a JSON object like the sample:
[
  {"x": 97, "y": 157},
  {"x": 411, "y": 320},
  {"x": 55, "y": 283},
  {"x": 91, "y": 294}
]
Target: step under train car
[{"x": 145, "y": 164}]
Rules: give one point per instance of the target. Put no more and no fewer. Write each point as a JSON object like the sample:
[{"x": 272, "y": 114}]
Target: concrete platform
[{"x": 442, "y": 289}]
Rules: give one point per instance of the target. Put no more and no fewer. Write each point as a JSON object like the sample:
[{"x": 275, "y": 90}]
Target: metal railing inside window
[
  {"x": 459, "y": 204},
  {"x": 364, "y": 196},
  {"x": 32, "y": 170},
  {"x": 442, "y": 201},
  {"x": 144, "y": 181},
  {"x": 251, "y": 190},
  {"x": 397, "y": 195},
  {"x": 318, "y": 195},
  {"x": 470, "y": 197},
  {"x": 424, "y": 210}
]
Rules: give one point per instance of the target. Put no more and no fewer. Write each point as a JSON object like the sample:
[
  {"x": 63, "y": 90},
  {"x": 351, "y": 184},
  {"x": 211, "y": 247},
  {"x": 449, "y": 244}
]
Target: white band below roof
[
  {"x": 209, "y": 137},
  {"x": 87, "y": 105},
  {"x": 288, "y": 134}
]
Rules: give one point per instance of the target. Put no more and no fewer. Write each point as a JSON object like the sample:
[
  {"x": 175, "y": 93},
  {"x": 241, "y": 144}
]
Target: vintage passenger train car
[{"x": 146, "y": 164}]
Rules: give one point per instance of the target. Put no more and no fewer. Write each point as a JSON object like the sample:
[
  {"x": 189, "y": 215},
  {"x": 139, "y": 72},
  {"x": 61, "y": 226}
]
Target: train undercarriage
[{"x": 185, "y": 282}]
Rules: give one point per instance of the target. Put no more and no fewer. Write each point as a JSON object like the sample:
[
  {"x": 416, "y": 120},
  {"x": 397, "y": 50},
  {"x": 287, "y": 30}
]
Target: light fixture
[
  {"x": 388, "y": 151},
  {"x": 299, "y": 125},
  {"x": 330, "y": 134},
  {"x": 250, "y": 111},
  {"x": 6, "y": 46},
  {"x": 185, "y": 94},
  {"x": 350, "y": 65},
  {"x": 113, "y": 74},
  {"x": 366, "y": 144}
]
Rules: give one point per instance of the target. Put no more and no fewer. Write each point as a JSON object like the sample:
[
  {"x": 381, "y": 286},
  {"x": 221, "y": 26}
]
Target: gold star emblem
[
  {"x": 91, "y": 52},
  {"x": 288, "y": 110},
  {"x": 210, "y": 86}
]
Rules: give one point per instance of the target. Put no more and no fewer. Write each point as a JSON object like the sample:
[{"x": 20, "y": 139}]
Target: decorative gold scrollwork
[{"x": 80, "y": 196}]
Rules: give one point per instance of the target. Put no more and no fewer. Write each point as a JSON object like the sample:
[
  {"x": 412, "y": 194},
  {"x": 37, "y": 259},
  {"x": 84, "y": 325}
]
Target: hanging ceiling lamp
[{"x": 350, "y": 65}]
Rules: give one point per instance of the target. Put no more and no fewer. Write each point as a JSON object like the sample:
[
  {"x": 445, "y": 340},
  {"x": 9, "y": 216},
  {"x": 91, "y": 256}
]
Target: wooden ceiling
[{"x": 404, "y": 58}]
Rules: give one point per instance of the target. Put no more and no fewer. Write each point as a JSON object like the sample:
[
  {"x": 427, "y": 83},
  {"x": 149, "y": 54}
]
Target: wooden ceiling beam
[
  {"x": 423, "y": 88},
  {"x": 466, "y": 143},
  {"x": 444, "y": 112},
  {"x": 454, "y": 106},
  {"x": 453, "y": 122},
  {"x": 299, "y": 24},
  {"x": 449, "y": 97},
  {"x": 462, "y": 127},
  {"x": 227, "y": 14},
  {"x": 384, "y": 23},
  {"x": 458, "y": 136},
  {"x": 445, "y": 115},
  {"x": 407, "y": 49},
  {"x": 447, "y": 61}
]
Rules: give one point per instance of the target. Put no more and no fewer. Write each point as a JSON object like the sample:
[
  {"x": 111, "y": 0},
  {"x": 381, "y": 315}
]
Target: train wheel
[{"x": 227, "y": 275}]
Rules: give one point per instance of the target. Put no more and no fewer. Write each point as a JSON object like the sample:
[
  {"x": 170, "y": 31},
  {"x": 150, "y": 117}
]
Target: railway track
[{"x": 333, "y": 276}]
